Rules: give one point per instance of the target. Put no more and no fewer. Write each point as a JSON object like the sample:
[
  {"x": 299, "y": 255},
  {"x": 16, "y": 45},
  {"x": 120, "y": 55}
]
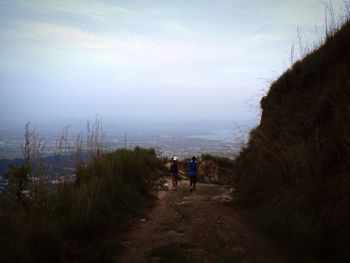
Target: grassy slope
[
  {"x": 74, "y": 223},
  {"x": 296, "y": 166}
]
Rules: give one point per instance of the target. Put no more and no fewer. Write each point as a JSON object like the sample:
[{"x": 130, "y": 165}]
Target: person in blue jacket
[{"x": 193, "y": 173}]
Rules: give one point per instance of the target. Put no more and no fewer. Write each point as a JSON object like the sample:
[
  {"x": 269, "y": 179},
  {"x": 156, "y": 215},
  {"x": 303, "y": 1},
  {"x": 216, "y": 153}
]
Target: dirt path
[{"x": 194, "y": 227}]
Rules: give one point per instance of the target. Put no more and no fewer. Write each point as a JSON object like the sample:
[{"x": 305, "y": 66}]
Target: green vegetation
[
  {"x": 216, "y": 169},
  {"x": 76, "y": 221},
  {"x": 223, "y": 162},
  {"x": 295, "y": 169}
]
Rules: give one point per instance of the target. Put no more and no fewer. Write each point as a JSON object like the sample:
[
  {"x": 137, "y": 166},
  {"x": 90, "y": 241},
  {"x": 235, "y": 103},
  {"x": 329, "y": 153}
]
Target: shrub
[
  {"x": 296, "y": 164},
  {"x": 63, "y": 224}
]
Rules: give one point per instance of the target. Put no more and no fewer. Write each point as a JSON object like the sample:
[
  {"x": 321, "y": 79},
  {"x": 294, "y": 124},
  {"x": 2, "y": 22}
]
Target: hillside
[
  {"x": 211, "y": 169},
  {"x": 295, "y": 169},
  {"x": 78, "y": 221}
]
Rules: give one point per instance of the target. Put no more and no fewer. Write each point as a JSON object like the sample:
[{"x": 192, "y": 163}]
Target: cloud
[
  {"x": 130, "y": 47},
  {"x": 116, "y": 49},
  {"x": 92, "y": 9}
]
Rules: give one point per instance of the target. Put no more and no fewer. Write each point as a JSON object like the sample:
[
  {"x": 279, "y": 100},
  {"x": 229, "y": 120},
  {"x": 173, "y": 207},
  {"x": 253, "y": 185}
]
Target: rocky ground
[{"x": 197, "y": 226}]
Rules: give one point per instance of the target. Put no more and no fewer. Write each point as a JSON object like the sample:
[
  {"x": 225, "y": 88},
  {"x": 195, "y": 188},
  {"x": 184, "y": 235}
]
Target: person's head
[
  {"x": 175, "y": 159},
  {"x": 193, "y": 158}
]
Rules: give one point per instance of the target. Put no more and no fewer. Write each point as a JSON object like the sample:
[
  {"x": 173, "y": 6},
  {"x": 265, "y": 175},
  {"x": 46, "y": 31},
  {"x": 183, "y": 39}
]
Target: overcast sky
[{"x": 145, "y": 60}]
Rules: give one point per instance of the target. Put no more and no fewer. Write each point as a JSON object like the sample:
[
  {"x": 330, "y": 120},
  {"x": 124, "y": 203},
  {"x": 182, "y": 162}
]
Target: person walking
[
  {"x": 193, "y": 167},
  {"x": 174, "y": 172}
]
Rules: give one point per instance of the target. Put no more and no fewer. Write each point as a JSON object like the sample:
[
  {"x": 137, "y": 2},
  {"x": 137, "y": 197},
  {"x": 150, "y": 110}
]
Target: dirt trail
[{"x": 194, "y": 227}]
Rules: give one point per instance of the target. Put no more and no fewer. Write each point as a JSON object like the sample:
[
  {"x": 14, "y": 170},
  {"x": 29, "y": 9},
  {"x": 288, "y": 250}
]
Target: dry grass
[
  {"x": 296, "y": 164},
  {"x": 41, "y": 222}
]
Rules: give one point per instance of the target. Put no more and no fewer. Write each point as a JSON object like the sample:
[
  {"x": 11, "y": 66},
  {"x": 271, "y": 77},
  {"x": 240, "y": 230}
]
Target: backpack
[
  {"x": 173, "y": 167},
  {"x": 193, "y": 168}
]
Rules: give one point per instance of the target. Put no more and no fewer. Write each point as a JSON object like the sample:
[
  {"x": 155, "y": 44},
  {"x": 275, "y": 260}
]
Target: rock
[
  {"x": 143, "y": 220},
  {"x": 166, "y": 187},
  {"x": 231, "y": 190},
  {"x": 222, "y": 198}
]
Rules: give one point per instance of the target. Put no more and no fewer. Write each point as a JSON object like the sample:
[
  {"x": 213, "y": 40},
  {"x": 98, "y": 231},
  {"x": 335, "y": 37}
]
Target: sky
[{"x": 146, "y": 60}]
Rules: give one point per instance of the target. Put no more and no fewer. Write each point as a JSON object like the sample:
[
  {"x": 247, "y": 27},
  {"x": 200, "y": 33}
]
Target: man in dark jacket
[{"x": 174, "y": 172}]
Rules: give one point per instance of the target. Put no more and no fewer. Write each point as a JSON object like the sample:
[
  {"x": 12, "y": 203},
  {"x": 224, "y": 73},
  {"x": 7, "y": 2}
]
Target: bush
[
  {"x": 296, "y": 164},
  {"x": 220, "y": 161},
  {"x": 64, "y": 225}
]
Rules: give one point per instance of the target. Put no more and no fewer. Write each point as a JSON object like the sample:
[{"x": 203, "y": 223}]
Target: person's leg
[
  {"x": 194, "y": 182},
  {"x": 176, "y": 179},
  {"x": 173, "y": 179},
  {"x": 191, "y": 182}
]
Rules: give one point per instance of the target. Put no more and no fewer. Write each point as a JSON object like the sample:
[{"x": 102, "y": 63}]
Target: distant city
[
  {"x": 177, "y": 139},
  {"x": 222, "y": 140}
]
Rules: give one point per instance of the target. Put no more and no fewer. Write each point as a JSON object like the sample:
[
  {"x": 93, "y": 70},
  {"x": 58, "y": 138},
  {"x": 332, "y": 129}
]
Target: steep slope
[{"x": 296, "y": 166}]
